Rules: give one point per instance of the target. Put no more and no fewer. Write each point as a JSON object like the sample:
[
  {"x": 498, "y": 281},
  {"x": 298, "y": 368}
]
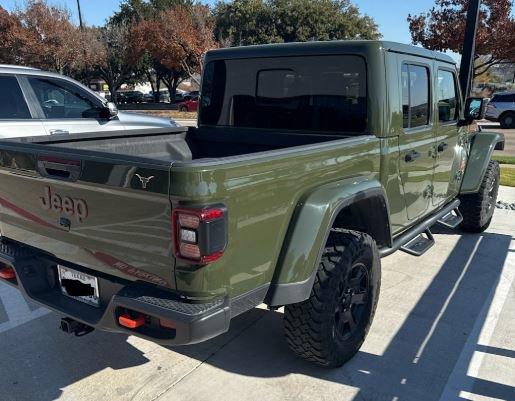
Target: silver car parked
[
  {"x": 501, "y": 108},
  {"x": 35, "y": 102}
]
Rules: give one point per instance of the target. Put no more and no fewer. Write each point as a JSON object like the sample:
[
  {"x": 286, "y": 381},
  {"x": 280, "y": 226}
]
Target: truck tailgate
[{"x": 103, "y": 211}]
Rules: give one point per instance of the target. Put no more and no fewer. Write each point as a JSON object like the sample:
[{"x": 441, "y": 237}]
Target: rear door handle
[
  {"x": 59, "y": 132},
  {"x": 442, "y": 147},
  {"x": 411, "y": 156}
]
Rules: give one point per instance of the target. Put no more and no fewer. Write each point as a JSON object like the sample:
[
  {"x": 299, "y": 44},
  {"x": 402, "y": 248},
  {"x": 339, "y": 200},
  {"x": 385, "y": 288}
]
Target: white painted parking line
[
  {"x": 446, "y": 303},
  {"x": 18, "y": 312},
  {"x": 461, "y": 381}
]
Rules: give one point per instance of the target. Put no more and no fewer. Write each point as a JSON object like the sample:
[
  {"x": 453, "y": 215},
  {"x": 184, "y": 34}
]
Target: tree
[
  {"x": 248, "y": 22},
  {"x": 176, "y": 48},
  {"x": 48, "y": 39},
  {"x": 134, "y": 12},
  {"x": 118, "y": 62},
  {"x": 443, "y": 28},
  {"x": 43, "y": 36},
  {"x": 10, "y": 43}
]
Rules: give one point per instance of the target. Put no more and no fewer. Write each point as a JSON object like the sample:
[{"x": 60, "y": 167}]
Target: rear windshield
[{"x": 313, "y": 93}]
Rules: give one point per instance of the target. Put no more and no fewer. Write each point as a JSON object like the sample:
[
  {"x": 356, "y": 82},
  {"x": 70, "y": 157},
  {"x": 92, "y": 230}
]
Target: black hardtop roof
[{"x": 326, "y": 47}]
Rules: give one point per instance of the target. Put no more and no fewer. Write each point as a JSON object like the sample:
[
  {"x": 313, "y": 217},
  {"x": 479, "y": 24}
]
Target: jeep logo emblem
[{"x": 64, "y": 204}]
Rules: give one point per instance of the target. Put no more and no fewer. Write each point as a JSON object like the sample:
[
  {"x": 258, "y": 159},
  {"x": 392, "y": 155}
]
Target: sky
[{"x": 390, "y": 15}]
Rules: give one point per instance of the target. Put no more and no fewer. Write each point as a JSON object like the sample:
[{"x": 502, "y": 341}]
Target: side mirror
[
  {"x": 109, "y": 111},
  {"x": 475, "y": 109}
]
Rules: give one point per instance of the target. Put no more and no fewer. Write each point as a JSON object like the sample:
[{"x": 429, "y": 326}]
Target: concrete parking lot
[{"x": 444, "y": 330}]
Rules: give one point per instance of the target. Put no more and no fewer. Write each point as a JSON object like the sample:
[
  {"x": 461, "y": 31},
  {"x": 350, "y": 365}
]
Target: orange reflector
[
  {"x": 132, "y": 323},
  {"x": 166, "y": 324},
  {"x": 7, "y": 273}
]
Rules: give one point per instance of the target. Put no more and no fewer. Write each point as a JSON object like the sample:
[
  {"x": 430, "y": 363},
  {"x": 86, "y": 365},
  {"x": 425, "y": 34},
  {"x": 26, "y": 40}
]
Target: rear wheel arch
[
  {"x": 368, "y": 215},
  {"x": 365, "y": 210}
]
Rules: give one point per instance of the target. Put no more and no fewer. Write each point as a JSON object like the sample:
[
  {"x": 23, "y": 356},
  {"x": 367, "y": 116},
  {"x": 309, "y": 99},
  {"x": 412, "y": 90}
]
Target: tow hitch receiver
[{"x": 70, "y": 326}]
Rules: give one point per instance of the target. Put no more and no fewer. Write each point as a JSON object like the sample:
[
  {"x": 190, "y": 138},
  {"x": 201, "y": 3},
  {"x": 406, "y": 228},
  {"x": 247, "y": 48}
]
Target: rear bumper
[{"x": 36, "y": 278}]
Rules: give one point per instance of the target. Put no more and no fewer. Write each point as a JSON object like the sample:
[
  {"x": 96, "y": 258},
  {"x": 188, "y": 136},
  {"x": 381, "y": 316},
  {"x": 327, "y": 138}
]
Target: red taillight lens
[
  {"x": 200, "y": 234},
  {"x": 7, "y": 272}
]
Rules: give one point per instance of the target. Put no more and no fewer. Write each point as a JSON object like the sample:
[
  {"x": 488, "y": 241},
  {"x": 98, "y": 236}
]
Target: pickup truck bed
[
  {"x": 83, "y": 202},
  {"x": 185, "y": 144}
]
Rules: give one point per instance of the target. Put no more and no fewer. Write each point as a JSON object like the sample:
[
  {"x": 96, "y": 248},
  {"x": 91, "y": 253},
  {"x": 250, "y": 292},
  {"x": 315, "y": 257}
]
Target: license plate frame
[{"x": 65, "y": 272}]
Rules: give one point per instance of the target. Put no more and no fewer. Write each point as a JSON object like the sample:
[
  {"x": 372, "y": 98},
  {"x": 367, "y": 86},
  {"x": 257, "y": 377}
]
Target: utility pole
[
  {"x": 469, "y": 47},
  {"x": 80, "y": 15}
]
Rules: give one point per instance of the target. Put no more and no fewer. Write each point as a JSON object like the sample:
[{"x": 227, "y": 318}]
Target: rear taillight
[
  {"x": 200, "y": 234},
  {"x": 7, "y": 272}
]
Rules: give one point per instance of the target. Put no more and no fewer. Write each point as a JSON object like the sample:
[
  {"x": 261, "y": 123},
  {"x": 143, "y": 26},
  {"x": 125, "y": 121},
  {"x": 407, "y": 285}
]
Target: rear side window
[
  {"x": 503, "y": 99},
  {"x": 447, "y": 96},
  {"x": 415, "y": 95},
  {"x": 313, "y": 93},
  {"x": 12, "y": 102},
  {"x": 60, "y": 100}
]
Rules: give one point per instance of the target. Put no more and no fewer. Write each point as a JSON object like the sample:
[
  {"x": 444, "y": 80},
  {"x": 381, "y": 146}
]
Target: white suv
[
  {"x": 35, "y": 102},
  {"x": 501, "y": 108}
]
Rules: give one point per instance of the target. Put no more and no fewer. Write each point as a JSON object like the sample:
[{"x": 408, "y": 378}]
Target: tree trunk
[
  {"x": 158, "y": 89},
  {"x": 112, "y": 91},
  {"x": 152, "y": 86}
]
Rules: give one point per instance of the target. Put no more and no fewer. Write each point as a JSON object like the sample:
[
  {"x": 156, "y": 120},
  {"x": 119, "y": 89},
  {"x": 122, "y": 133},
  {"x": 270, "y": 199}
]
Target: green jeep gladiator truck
[{"x": 310, "y": 162}]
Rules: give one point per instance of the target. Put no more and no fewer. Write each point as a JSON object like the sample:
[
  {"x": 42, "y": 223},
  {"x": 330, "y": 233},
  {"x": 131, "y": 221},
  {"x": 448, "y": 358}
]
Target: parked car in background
[
  {"x": 164, "y": 96},
  {"x": 191, "y": 94},
  {"x": 35, "y": 102},
  {"x": 501, "y": 108},
  {"x": 148, "y": 97},
  {"x": 129, "y": 97},
  {"x": 189, "y": 104},
  {"x": 179, "y": 97}
]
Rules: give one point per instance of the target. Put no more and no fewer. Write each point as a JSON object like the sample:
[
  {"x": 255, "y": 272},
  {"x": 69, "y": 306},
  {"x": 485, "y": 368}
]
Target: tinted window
[
  {"x": 447, "y": 97},
  {"x": 12, "y": 103},
  {"x": 60, "y": 99},
  {"x": 503, "y": 99},
  {"x": 415, "y": 95},
  {"x": 314, "y": 93}
]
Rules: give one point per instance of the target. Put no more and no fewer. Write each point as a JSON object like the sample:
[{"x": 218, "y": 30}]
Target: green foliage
[
  {"x": 508, "y": 176},
  {"x": 504, "y": 159},
  {"x": 135, "y": 10},
  {"x": 248, "y": 22}
]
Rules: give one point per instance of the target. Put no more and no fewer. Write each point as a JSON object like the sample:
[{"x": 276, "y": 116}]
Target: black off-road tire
[
  {"x": 478, "y": 208},
  {"x": 507, "y": 120},
  {"x": 319, "y": 329},
  {"x": 183, "y": 109}
]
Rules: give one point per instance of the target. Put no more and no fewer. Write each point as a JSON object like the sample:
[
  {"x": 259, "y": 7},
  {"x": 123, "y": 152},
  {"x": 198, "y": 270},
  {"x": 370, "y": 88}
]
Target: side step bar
[
  {"x": 420, "y": 244},
  {"x": 420, "y": 228},
  {"x": 451, "y": 220}
]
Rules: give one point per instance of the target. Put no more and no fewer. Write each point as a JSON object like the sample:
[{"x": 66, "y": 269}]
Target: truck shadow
[
  {"x": 38, "y": 362},
  {"x": 422, "y": 354}
]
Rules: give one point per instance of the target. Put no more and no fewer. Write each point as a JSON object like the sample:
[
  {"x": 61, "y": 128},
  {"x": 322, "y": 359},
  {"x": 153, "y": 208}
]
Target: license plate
[{"x": 77, "y": 285}]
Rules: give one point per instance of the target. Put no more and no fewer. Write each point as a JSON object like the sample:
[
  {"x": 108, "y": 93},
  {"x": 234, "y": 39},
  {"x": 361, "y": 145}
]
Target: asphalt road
[{"x": 444, "y": 330}]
